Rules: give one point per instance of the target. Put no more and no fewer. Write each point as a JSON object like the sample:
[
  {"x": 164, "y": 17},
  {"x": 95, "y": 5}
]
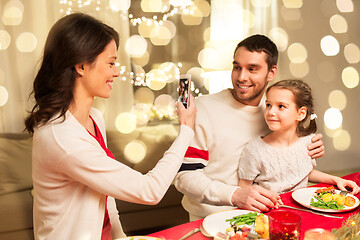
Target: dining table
[{"x": 308, "y": 220}]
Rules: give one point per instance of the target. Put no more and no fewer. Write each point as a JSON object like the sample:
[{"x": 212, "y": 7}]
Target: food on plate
[
  {"x": 328, "y": 198},
  {"x": 349, "y": 201},
  {"x": 240, "y": 226},
  {"x": 262, "y": 226}
]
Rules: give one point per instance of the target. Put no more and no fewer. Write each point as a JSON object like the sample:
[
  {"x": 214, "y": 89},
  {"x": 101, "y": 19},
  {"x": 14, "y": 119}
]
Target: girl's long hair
[{"x": 74, "y": 39}]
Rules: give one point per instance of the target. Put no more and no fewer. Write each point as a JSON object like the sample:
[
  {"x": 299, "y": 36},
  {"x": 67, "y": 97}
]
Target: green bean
[{"x": 243, "y": 219}]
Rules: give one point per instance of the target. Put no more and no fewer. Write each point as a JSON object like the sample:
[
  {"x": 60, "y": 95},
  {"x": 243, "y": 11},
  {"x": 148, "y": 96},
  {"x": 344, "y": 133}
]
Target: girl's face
[
  {"x": 98, "y": 77},
  {"x": 281, "y": 113}
]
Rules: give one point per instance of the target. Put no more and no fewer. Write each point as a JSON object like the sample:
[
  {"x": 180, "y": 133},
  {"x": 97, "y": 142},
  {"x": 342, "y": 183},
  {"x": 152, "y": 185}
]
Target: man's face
[{"x": 250, "y": 76}]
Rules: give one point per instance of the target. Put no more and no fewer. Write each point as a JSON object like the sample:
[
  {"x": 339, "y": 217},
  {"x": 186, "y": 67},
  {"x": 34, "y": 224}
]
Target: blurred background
[{"x": 160, "y": 39}]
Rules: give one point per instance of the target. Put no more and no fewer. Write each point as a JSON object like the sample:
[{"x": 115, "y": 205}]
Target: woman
[{"x": 75, "y": 176}]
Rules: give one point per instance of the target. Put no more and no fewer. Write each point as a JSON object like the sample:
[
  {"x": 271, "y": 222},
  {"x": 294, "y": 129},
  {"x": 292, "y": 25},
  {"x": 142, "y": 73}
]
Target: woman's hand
[{"x": 187, "y": 115}]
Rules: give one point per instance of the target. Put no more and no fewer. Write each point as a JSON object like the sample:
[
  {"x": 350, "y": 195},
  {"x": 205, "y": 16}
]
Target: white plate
[
  {"x": 304, "y": 195},
  {"x": 216, "y": 222},
  {"x": 140, "y": 238}
]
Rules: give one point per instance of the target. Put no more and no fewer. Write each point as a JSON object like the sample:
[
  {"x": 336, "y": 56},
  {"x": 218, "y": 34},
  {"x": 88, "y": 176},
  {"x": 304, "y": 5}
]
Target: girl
[
  {"x": 75, "y": 176},
  {"x": 280, "y": 161}
]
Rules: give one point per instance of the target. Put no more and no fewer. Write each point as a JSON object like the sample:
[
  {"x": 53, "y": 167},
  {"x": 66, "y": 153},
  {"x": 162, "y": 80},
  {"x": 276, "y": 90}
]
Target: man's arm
[
  {"x": 316, "y": 148},
  {"x": 191, "y": 179}
]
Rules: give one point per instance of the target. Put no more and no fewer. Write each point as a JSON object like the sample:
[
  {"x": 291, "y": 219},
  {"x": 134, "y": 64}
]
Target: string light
[
  {"x": 183, "y": 9},
  {"x": 68, "y": 6}
]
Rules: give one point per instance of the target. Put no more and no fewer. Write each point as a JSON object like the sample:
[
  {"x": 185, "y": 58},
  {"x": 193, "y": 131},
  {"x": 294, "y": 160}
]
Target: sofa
[{"x": 16, "y": 184}]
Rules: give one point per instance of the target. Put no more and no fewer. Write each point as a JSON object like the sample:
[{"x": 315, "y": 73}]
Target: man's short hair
[{"x": 261, "y": 43}]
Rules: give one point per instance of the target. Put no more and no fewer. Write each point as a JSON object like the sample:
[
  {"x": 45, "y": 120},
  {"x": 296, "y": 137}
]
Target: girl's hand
[
  {"x": 187, "y": 115},
  {"x": 343, "y": 183}
]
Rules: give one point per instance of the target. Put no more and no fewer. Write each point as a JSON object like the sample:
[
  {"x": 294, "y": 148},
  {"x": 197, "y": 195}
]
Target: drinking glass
[
  {"x": 319, "y": 234},
  {"x": 284, "y": 225}
]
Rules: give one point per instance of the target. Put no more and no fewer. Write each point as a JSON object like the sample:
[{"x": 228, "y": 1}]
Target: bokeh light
[
  {"x": 144, "y": 95},
  {"x": 139, "y": 74},
  {"x": 4, "y": 95},
  {"x": 125, "y": 122},
  {"x": 145, "y": 27},
  {"x": 203, "y": 6},
  {"x": 26, "y": 42},
  {"x": 333, "y": 118},
  {"x": 5, "y": 39},
  {"x": 293, "y": 3},
  {"x": 299, "y": 70},
  {"x": 136, "y": 46},
  {"x": 171, "y": 27},
  {"x": 207, "y": 34},
  {"x": 160, "y": 35},
  {"x": 156, "y": 79},
  {"x": 331, "y": 132},
  {"x": 337, "y": 99},
  {"x": 338, "y": 24},
  {"x": 142, "y": 60},
  {"x": 143, "y": 112},
  {"x": 196, "y": 76},
  {"x": 119, "y": 5},
  {"x": 208, "y": 58},
  {"x": 330, "y": 46},
  {"x": 151, "y": 5},
  {"x": 350, "y": 77},
  {"x": 171, "y": 70},
  {"x": 13, "y": 13},
  {"x": 280, "y": 37},
  {"x": 193, "y": 17},
  {"x": 135, "y": 151},
  {"x": 326, "y": 71},
  {"x": 164, "y": 105},
  {"x": 261, "y": 3},
  {"x": 352, "y": 53},
  {"x": 345, "y": 5},
  {"x": 341, "y": 140},
  {"x": 297, "y": 53}
]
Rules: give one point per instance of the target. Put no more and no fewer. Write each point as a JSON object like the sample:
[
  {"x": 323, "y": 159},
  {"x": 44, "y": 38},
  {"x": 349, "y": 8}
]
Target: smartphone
[{"x": 184, "y": 89}]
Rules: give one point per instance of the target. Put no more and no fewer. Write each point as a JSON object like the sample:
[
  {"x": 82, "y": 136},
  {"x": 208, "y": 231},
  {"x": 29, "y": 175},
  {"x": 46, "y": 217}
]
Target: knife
[{"x": 307, "y": 210}]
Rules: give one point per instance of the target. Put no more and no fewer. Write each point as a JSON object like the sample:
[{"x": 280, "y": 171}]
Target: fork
[
  {"x": 192, "y": 232},
  {"x": 310, "y": 211},
  {"x": 344, "y": 193}
]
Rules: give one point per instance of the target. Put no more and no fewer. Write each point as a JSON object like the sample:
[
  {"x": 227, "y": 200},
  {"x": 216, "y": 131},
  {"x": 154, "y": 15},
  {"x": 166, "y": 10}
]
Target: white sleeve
[
  {"x": 88, "y": 164},
  {"x": 116, "y": 228}
]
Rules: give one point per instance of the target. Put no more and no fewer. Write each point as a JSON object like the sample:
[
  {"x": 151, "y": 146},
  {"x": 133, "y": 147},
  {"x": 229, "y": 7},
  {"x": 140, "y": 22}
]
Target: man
[{"x": 225, "y": 123}]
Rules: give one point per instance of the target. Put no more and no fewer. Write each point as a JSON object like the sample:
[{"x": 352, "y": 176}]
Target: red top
[{"x": 106, "y": 231}]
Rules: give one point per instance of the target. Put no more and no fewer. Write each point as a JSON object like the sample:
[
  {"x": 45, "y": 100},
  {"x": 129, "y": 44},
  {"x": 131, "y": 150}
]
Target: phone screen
[{"x": 184, "y": 88}]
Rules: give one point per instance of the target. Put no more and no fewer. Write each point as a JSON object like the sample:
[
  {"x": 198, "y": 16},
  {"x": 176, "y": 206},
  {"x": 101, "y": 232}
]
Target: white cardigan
[{"x": 72, "y": 175}]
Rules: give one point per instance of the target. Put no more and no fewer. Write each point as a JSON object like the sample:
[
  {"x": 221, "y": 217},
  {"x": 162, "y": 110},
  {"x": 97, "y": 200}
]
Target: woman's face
[{"x": 98, "y": 77}]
